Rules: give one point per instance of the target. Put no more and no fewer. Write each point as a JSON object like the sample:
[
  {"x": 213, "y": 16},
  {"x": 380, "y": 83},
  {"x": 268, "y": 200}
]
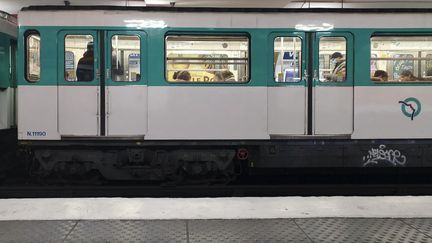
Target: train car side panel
[
  {"x": 287, "y": 110},
  {"x": 37, "y": 120},
  {"x": 381, "y": 113},
  {"x": 127, "y": 110},
  {"x": 207, "y": 112}
]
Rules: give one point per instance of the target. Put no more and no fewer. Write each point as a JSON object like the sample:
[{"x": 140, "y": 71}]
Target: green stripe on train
[{"x": 153, "y": 62}]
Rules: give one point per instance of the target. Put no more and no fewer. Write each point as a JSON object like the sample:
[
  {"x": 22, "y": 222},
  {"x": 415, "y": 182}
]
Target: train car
[
  {"x": 163, "y": 93},
  {"x": 8, "y": 43}
]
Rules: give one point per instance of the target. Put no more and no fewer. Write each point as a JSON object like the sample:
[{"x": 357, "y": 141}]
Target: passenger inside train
[
  {"x": 407, "y": 75},
  {"x": 84, "y": 71},
  {"x": 339, "y": 68},
  {"x": 182, "y": 76},
  {"x": 225, "y": 75},
  {"x": 380, "y": 75}
]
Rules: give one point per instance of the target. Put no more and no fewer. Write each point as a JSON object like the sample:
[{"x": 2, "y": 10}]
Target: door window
[
  {"x": 287, "y": 59},
  {"x": 125, "y": 58},
  {"x": 332, "y": 59},
  {"x": 79, "y": 58}
]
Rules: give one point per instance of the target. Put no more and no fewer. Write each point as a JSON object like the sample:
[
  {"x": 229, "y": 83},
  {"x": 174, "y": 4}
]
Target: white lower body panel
[
  {"x": 333, "y": 110},
  {"x": 207, "y": 112},
  {"x": 287, "y": 110},
  {"x": 378, "y": 113},
  {"x": 78, "y": 110},
  {"x": 37, "y": 113},
  {"x": 126, "y": 111}
]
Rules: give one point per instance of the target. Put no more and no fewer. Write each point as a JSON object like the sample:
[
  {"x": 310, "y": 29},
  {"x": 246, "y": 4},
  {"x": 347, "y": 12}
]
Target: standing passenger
[
  {"x": 85, "y": 65},
  {"x": 339, "y": 70}
]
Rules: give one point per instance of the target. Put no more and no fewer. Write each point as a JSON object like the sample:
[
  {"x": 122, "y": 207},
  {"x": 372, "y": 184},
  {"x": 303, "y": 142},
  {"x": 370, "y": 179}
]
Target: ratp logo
[{"x": 411, "y": 107}]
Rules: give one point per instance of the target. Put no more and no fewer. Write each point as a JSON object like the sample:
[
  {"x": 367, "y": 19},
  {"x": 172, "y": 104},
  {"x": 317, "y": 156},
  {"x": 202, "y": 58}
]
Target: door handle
[
  {"x": 315, "y": 75},
  {"x": 305, "y": 75},
  {"x": 97, "y": 74},
  {"x": 108, "y": 73}
]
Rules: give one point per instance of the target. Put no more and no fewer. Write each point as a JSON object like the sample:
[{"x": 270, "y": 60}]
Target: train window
[
  {"x": 79, "y": 58},
  {"x": 332, "y": 59},
  {"x": 401, "y": 58},
  {"x": 32, "y": 61},
  {"x": 125, "y": 58},
  {"x": 287, "y": 59},
  {"x": 207, "y": 59}
]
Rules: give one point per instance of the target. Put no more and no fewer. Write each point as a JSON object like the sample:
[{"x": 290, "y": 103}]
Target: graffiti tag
[{"x": 381, "y": 154}]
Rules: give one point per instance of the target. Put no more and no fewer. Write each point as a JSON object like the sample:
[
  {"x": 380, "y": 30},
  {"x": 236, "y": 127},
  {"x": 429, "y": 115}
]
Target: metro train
[
  {"x": 165, "y": 93},
  {"x": 8, "y": 46}
]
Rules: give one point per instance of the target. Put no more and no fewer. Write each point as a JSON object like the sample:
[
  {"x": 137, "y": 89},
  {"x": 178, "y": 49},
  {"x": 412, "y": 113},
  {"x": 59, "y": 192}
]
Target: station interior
[{"x": 319, "y": 204}]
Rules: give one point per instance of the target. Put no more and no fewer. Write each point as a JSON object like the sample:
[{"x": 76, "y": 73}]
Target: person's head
[
  {"x": 381, "y": 74},
  {"x": 225, "y": 75},
  {"x": 90, "y": 46},
  {"x": 336, "y": 57},
  {"x": 406, "y": 75},
  {"x": 175, "y": 74},
  {"x": 89, "y": 51},
  {"x": 184, "y": 76}
]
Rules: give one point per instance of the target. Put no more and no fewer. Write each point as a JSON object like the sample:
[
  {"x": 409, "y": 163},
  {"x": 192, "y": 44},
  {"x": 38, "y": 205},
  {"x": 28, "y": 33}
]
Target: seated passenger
[
  {"x": 182, "y": 76},
  {"x": 225, "y": 75},
  {"x": 407, "y": 75},
  {"x": 380, "y": 75},
  {"x": 175, "y": 75},
  {"x": 84, "y": 71},
  {"x": 339, "y": 71}
]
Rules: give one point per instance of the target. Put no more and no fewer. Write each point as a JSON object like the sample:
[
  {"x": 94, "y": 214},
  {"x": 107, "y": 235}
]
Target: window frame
[
  {"x": 207, "y": 34},
  {"x": 346, "y": 58},
  {"x": 27, "y": 34},
  {"x": 140, "y": 59},
  {"x": 395, "y": 34},
  {"x": 64, "y": 59},
  {"x": 300, "y": 61}
]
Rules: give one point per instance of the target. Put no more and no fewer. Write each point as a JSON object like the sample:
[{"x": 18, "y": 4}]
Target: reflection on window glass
[
  {"x": 79, "y": 58},
  {"x": 33, "y": 45},
  {"x": 332, "y": 59},
  {"x": 287, "y": 59},
  {"x": 207, "y": 59},
  {"x": 125, "y": 58},
  {"x": 401, "y": 58}
]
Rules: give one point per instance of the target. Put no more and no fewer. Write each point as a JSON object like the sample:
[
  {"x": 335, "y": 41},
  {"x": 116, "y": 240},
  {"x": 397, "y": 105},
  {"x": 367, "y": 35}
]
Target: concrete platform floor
[{"x": 220, "y": 230}]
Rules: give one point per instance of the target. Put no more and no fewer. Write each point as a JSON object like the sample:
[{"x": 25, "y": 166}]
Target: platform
[
  {"x": 272, "y": 219},
  {"x": 235, "y": 230}
]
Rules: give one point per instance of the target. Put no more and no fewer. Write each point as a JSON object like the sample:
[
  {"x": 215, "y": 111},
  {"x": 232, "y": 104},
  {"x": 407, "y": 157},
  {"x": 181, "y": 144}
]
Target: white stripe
[
  {"x": 224, "y": 20},
  {"x": 214, "y": 208}
]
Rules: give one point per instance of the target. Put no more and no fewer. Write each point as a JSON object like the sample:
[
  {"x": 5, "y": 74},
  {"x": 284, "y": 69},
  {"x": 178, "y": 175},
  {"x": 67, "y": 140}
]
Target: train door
[
  {"x": 333, "y": 89},
  {"x": 79, "y": 83},
  {"x": 287, "y": 94},
  {"x": 101, "y": 89},
  {"x": 125, "y": 89},
  {"x": 312, "y": 92}
]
